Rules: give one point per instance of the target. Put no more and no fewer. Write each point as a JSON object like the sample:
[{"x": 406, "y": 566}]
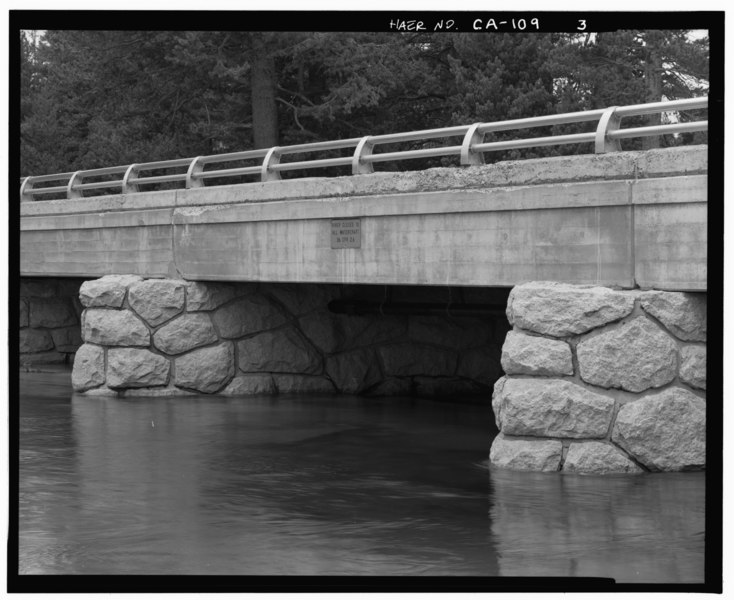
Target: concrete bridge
[
  {"x": 397, "y": 283},
  {"x": 620, "y": 219}
]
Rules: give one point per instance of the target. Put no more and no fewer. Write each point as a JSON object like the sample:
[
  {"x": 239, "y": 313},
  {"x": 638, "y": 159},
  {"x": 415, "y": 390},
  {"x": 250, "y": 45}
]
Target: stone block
[
  {"x": 552, "y": 408},
  {"x": 635, "y": 357},
  {"x": 302, "y": 298},
  {"x": 560, "y": 310},
  {"x": 332, "y": 333},
  {"x": 23, "y": 315},
  {"x": 456, "y": 333},
  {"x": 693, "y": 366},
  {"x": 497, "y": 397},
  {"x": 135, "y": 368},
  {"x": 38, "y": 288},
  {"x": 683, "y": 314},
  {"x": 411, "y": 359},
  {"x": 303, "y": 384},
  {"x": 67, "y": 339},
  {"x": 447, "y": 387},
  {"x": 598, "y": 458},
  {"x": 185, "y": 333},
  {"x": 88, "y": 371},
  {"x": 109, "y": 327},
  {"x": 205, "y": 370},
  {"x": 35, "y": 340},
  {"x": 207, "y": 296},
  {"x": 480, "y": 364},
  {"x": 665, "y": 431},
  {"x": 157, "y": 300},
  {"x": 533, "y": 355},
  {"x": 525, "y": 455},
  {"x": 42, "y": 358},
  {"x": 68, "y": 288},
  {"x": 51, "y": 313},
  {"x": 393, "y": 386},
  {"x": 355, "y": 371},
  {"x": 279, "y": 351},
  {"x": 251, "y": 314},
  {"x": 250, "y": 385},
  {"x": 108, "y": 291}
]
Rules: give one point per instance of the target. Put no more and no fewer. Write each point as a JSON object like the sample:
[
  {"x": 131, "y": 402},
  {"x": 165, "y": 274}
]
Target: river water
[{"x": 302, "y": 485}]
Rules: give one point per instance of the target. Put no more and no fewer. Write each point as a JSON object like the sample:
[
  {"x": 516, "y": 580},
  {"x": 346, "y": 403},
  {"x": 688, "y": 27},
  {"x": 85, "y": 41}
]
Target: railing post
[
  {"x": 127, "y": 187},
  {"x": 608, "y": 122},
  {"x": 364, "y": 148},
  {"x": 71, "y": 193},
  {"x": 271, "y": 158},
  {"x": 25, "y": 190},
  {"x": 195, "y": 168},
  {"x": 468, "y": 156}
]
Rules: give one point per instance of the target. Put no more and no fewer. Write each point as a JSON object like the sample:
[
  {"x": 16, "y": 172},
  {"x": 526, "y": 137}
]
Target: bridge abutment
[
  {"x": 49, "y": 317},
  {"x": 168, "y": 337}
]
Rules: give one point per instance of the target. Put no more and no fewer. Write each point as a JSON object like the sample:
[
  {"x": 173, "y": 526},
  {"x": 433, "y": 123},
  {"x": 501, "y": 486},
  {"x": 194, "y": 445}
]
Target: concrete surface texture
[{"x": 627, "y": 219}]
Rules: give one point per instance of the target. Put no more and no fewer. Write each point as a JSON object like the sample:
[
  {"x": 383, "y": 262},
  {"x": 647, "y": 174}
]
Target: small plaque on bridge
[{"x": 346, "y": 233}]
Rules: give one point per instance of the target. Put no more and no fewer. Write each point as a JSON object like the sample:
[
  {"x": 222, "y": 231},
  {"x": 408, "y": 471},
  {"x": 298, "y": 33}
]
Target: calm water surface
[{"x": 324, "y": 486}]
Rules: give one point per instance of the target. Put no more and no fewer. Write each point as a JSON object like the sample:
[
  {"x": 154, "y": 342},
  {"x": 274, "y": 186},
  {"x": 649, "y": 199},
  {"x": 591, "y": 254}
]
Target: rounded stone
[
  {"x": 393, "y": 386},
  {"x": 185, "y": 333},
  {"x": 35, "y": 340},
  {"x": 51, "y": 313},
  {"x": 481, "y": 364},
  {"x": 303, "y": 384},
  {"x": 109, "y": 327},
  {"x": 88, "y": 371},
  {"x": 207, "y": 296},
  {"x": 249, "y": 385},
  {"x": 107, "y": 291},
  {"x": 135, "y": 368},
  {"x": 332, "y": 333},
  {"x": 413, "y": 359},
  {"x": 205, "y": 370},
  {"x": 683, "y": 314},
  {"x": 251, "y": 314},
  {"x": 533, "y": 355},
  {"x": 559, "y": 309},
  {"x": 552, "y": 408},
  {"x": 598, "y": 458},
  {"x": 279, "y": 351},
  {"x": 693, "y": 366},
  {"x": 456, "y": 333},
  {"x": 157, "y": 300},
  {"x": 23, "y": 313},
  {"x": 353, "y": 372},
  {"x": 67, "y": 339},
  {"x": 525, "y": 455},
  {"x": 665, "y": 431},
  {"x": 634, "y": 357}
]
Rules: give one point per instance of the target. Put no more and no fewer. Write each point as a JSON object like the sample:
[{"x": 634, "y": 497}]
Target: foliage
[{"x": 101, "y": 98}]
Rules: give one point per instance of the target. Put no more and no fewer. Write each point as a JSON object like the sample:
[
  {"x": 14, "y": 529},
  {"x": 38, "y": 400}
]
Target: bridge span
[
  {"x": 594, "y": 362},
  {"x": 624, "y": 219}
]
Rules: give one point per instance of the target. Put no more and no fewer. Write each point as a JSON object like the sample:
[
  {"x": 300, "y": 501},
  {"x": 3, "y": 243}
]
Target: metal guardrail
[{"x": 606, "y": 138}]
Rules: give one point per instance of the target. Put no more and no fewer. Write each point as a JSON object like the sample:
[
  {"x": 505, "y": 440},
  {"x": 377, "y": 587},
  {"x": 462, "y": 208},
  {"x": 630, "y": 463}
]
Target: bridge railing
[{"x": 193, "y": 171}]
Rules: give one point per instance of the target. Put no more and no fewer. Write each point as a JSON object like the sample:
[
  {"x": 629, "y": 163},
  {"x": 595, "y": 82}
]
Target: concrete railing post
[
  {"x": 364, "y": 148},
  {"x": 469, "y": 157},
  {"x": 608, "y": 122}
]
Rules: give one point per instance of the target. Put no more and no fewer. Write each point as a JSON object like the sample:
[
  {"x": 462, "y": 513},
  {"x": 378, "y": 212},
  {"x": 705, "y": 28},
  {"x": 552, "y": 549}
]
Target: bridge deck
[{"x": 621, "y": 219}]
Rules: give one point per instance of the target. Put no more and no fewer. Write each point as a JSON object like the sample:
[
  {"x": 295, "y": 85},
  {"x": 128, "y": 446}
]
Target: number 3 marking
[{"x": 582, "y": 25}]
